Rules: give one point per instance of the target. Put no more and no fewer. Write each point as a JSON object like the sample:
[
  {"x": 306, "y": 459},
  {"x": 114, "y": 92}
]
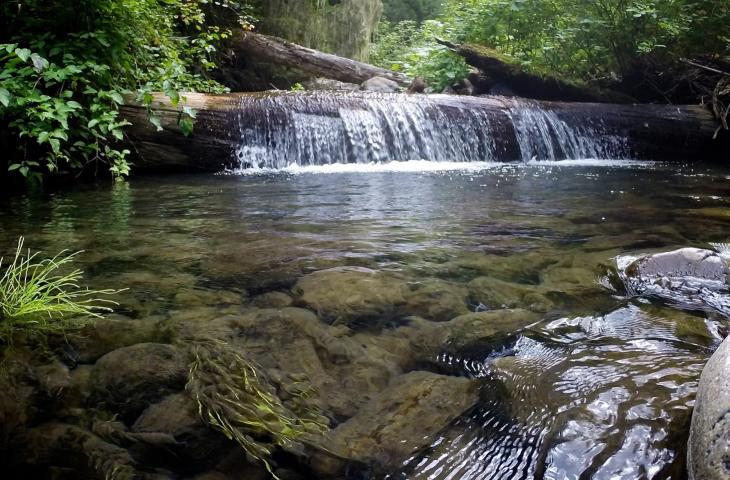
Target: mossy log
[
  {"x": 500, "y": 69},
  {"x": 281, "y": 53},
  {"x": 654, "y": 132}
]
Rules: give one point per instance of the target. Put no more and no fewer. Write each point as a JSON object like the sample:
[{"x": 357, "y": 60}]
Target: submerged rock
[
  {"x": 398, "y": 422},
  {"x": 272, "y": 300},
  {"x": 437, "y": 300},
  {"x": 130, "y": 378},
  {"x": 708, "y": 455},
  {"x": 353, "y": 294},
  {"x": 114, "y": 332},
  {"x": 177, "y": 417}
]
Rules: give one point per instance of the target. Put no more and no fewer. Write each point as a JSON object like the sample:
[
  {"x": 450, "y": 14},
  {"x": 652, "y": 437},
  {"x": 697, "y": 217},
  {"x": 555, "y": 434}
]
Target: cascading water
[{"x": 280, "y": 130}]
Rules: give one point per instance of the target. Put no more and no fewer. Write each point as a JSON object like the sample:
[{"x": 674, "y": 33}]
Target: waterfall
[{"x": 278, "y": 130}]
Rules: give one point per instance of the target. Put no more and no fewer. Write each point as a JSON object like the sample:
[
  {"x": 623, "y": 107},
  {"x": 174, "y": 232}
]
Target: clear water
[{"x": 599, "y": 387}]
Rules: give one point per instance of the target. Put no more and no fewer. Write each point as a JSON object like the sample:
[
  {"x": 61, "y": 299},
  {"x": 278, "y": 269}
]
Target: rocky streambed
[{"x": 364, "y": 336}]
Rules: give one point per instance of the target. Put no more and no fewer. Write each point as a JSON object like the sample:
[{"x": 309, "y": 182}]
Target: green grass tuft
[
  {"x": 235, "y": 397},
  {"x": 43, "y": 296}
]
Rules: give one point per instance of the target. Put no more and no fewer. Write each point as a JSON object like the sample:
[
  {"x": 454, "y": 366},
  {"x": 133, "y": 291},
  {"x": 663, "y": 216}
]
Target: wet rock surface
[
  {"x": 130, "y": 378},
  {"x": 399, "y": 421},
  {"x": 690, "y": 278},
  {"x": 353, "y": 295},
  {"x": 709, "y": 442},
  {"x": 380, "y": 85}
]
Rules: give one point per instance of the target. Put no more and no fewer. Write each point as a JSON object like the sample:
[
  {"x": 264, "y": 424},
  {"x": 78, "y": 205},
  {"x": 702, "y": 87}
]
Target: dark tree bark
[
  {"x": 654, "y": 132},
  {"x": 279, "y": 52},
  {"x": 502, "y": 70}
]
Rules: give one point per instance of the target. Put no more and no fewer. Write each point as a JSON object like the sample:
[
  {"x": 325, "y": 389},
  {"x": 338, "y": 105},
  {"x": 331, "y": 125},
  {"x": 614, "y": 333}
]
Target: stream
[{"x": 574, "y": 380}]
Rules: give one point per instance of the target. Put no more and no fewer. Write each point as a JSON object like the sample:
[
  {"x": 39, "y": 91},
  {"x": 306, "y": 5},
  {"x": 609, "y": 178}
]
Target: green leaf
[
  {"x": 117, "y": 98},
  {"x": 23, "y": 53},
  {"x": 39, "y": 63},
  {"x": 55, "y": 145},
  {"x": 156, "y": 121},
  {"x": 92, "y": 123},
  {"x": 14, "y": 166},
  {"x": 117, "y": 134},
  {"x": 43, "y": 137},
  {"x": 186, "y": 125},
  {"x": 73, "y": 104},
  {"x": 190, "y": 111},
  {"x": 24, "y": 171},
  {"x": 4, "y": 96}
]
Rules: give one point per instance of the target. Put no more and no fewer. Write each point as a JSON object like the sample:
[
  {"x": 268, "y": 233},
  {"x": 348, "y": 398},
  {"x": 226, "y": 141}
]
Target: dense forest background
[{"x": 67, "y": 67}]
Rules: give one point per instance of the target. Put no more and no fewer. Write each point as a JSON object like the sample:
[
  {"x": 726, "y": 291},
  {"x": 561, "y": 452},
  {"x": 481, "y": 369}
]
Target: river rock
[
  {"x": 690, "y": 278},
  {"x": 113, "y": 332},
  {"x": 437, "y": 300},
  {"x": 380, "y": 85},
  {"x": 708, "y": 456},
  {"x": 62, "y": 446},
  {"x": 177, "y": 416},
  {"x": 353, "y": 295},
  {"x": 398, "y": 422},
  {"x": 272, "y": 300},
  {"x": 685, "y": 262},
  {"x": 327, "y": 84},
  {"x": 130, "y": 378}
]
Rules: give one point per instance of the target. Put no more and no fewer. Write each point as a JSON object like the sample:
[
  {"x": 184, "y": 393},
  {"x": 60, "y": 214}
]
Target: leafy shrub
[
  {"x": 578, "y": 39},
  {"x": 66, "y": 67},
  {"x": 412, "y": 49}
]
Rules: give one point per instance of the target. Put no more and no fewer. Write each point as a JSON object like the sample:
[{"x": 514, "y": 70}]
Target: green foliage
[
  {"x": 577, "y": 39},
  {"x": 591, "y": 40},
  {"x": 410, "y": 48},
  {"x": 66, "y": 68},
  {"x": 39, "y": 297},
  {"x": 416, "y": 10},
  {"x": 235, "y": 397}
]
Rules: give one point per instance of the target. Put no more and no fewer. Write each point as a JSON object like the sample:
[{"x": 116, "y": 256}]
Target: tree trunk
[
  {"x": 225, "y": 123},
  {"x": 279, "y": 52},
  {"x": 501, "y": 71}
]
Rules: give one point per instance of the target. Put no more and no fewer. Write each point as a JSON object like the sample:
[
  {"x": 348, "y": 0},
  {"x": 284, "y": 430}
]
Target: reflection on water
[{"x": 599, "y": 387}]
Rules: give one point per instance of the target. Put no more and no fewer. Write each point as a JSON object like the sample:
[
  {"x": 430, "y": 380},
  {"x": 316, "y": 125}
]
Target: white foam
[{"x": 416, "y": 166}]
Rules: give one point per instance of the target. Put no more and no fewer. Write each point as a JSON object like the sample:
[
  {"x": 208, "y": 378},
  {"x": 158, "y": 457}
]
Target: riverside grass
[
  {"x": 43, "y": 296},
  {"x": 235, "y": 397}
]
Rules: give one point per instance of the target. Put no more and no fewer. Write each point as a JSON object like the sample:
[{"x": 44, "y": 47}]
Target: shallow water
[{"x": 600, "y": 386}]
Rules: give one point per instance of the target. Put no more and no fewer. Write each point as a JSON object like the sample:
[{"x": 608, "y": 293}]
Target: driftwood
[
  {"x": 655, "y": 132},
  {"x": 505, "y": 72},
  {"x": 279, "y": 52}
]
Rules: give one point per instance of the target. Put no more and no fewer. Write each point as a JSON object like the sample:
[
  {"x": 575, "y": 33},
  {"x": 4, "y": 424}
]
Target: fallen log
[
  {"x": 502, "y": 70},
  {"x": 275, "y": 129},
  {"x": 279, "y": 52}
]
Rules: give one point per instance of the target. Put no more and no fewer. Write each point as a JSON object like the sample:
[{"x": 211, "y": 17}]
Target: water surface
[{"x": 600, "y": 386}]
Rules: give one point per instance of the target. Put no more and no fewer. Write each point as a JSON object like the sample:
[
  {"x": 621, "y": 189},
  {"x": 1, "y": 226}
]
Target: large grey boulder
[
  {"x": 690, "y": 278},
  {"x": 708, "y": 456}
]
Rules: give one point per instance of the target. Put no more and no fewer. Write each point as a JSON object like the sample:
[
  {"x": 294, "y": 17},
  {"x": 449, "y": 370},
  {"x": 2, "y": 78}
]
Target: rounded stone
[{"x": 708, "y": 454}]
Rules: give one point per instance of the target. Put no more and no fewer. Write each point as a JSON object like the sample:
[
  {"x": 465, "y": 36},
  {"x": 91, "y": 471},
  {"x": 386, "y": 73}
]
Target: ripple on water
[{"x": 597, "y": 397}]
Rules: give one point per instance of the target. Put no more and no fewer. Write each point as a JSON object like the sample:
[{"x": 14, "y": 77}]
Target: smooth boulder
[
  {"x": 708, "y": 456},
  {"x": 380, "y": 85},
  {"x": 402, "y": 419},
  {"x": 128, "y": 379}
]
